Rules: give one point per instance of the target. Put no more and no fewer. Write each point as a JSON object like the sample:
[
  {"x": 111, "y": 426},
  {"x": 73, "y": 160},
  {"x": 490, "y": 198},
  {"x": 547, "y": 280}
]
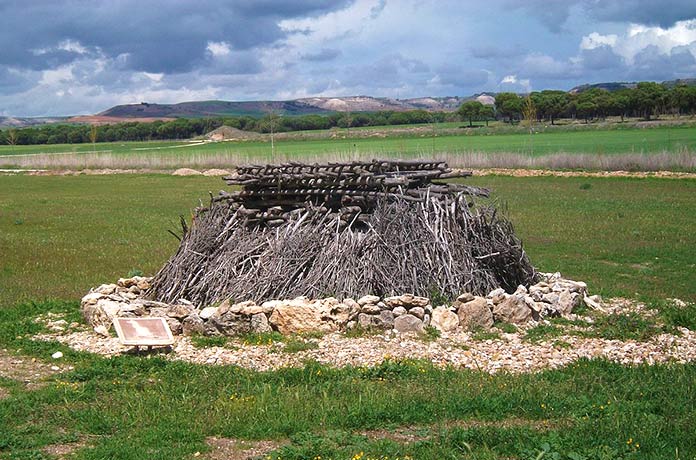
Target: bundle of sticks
[
  {"x": 344, "y": 230},
  {"x": 272, "y": 194}
]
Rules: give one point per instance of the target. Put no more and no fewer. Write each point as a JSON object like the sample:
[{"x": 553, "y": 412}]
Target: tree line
[
  {"x": 645, "y": 101},
  {"x": 186, "y": 128}
]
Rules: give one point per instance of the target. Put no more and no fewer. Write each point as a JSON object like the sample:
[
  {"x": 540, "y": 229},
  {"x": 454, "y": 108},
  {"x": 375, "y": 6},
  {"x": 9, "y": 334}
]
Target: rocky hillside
[
  {"x": 209, "y": 108},
  {"x": 295, "y": 107}
]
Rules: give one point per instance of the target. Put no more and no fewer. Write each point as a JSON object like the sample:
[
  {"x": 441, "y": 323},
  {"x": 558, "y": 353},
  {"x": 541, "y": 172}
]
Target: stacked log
[{"x": 271, "y": 195}]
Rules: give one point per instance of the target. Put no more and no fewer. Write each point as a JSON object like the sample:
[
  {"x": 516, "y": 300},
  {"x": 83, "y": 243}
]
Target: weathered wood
[{"x": 345, "y": 229}]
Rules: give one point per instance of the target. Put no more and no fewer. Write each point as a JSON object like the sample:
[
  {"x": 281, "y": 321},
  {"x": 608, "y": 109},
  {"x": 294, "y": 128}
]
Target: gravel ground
[
  {"x": 508, "y": 353},
  {"x": 477, "y": 172}
]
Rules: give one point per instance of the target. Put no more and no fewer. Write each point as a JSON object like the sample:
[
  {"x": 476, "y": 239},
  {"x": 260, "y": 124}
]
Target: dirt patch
[
  {"x": 62, "y": 451},
  {"x": 4, "y": 393},
  {"x": 29, "y": 371},
  {"x": 238, "y": 449},
  {"x": 187, "y": 172},
  {"x": 554, "y": 173},
  {"x": 421, "y": 433},
  {"x": 477, "y": 172},
  {"x": 227, "y": 133},
  {"x": 216, "y": 172}
]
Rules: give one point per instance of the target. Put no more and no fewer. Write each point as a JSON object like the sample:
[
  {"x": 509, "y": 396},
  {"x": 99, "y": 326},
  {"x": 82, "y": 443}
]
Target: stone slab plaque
[{"x": 145, "y": 332}]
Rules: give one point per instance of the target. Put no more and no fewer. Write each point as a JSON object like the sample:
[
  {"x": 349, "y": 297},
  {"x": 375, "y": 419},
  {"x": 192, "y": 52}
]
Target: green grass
[
  {"x": 116, "y": 147},
  {"x": 262, "y": 338},
  {"x": 593, "y": 141},
  {"x": 624, "y": 237},
  {"x": 481, "y": 334},
  {"x": 624, "y": 326},
  {"x": 130, "y": 407},
  {"x": 627, "y": 326},
  {"x": 274, "y": 339},
  {"x": 296, "y": 345},
  {"x": 59, "y": 236},
  {"x": 207, "y": 341},
  {"x": 676, "y": 316},
  {"x": 430, "y": 334},
  {"x": 507, "y": 327}
]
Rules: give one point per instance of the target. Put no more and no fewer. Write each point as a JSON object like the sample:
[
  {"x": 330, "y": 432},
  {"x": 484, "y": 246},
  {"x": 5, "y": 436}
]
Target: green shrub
[
  {"x": 134, "y": 272},
  {"x": 542, "y": 332}
]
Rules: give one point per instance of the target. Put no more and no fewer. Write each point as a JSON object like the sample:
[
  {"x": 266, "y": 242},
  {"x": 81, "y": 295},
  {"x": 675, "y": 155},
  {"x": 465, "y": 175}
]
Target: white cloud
[
  {"x": 156, "y": 77},
  {"x": 218, "y": 49},
  {"x": 331, "y": 25},
  {"x": 513, "y": 83},
  {"x": 639, "y": 37},
  {"x": 538, "y": 64},
  {"x": 595, "y": 40},
  {"x": 57, "y": 76},
  {"x": 73, "y": 46}
]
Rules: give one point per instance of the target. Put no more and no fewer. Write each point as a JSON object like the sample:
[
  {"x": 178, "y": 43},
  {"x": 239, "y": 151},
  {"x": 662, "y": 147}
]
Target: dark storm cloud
[
  {"x": 387, "y": 70},
  {"x": 325, "y": 54},
  {"x": 12, "y": 81},
  {"x": 552, "y": 13},
  {"x": 76, "y": 56},
  {"x": 663, "y": 13},
  {"x": 490, "y": 51},
  {"x": 287, "y": 9},
  {"x": 49, "y": 59},
  {"x": 155, "y": 36},
  {"x": 459, "y": 76},
  {"x": 651, "y": 64},
  {"x": 555, "y": 13},
  {"x": 235, "y": 63},
  {"x": 601, "y": 58}
]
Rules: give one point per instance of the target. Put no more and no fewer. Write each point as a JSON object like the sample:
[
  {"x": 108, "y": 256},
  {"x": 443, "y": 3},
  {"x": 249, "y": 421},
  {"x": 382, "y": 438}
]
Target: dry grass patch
[
  {"x": 424, "y": 432},
  {"x": 238, "y": 449},
  {"x": 29, "y": 371},
  {"x": 63, "y": 450}
]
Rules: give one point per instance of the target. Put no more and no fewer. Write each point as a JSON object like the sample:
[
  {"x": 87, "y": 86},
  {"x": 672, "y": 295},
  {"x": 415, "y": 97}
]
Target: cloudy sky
[{"x": 82, "y": 56}]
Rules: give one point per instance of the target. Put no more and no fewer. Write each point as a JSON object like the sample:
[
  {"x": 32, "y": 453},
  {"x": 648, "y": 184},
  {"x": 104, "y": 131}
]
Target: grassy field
[
  {"x": 139, "y": 408},
  {"x": 61, "y": 235},
  {"x": 593, "y": 142},
  {"x": 624, "y": 237}
]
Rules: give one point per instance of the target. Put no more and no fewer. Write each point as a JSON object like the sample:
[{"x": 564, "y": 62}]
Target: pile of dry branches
[{"x": 343, "y": 230}]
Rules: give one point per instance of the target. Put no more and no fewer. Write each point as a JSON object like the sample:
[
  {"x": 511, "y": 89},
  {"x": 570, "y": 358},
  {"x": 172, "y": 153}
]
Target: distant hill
[
  {"x": 310, "y": 105},
  {"x": 208, "y": 109},
  {"x": 615, "y": 86},
  {"x": 21, "y": 122},
  {"x": 609, "y": 86},
  {"x": 681, "y": 81},
  {"x": 199, "y": 109}
]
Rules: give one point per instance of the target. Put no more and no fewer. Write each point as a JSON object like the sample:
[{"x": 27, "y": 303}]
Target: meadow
[
  {"x": 661, "y": 147},
  {"x": 624, "y": 236},
  {"x": 61, "y": 235}
]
